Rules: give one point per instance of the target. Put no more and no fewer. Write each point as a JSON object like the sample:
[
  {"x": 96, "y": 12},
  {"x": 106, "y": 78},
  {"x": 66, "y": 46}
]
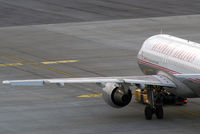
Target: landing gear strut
[{"x": 155, "y": 104}]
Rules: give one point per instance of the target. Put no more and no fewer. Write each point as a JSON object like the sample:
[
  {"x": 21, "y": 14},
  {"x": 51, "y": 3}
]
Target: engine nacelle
[{"x": 116, "y": 95}]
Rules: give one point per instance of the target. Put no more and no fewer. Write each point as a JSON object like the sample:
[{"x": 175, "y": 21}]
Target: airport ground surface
[
  {"x": 84, "y": 49},
  {"x": 27, "y": 12}
]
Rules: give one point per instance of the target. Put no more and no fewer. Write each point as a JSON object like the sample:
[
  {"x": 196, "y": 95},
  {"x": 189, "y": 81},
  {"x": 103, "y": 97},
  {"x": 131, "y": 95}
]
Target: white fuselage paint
[{"x": 171, "y": 55}]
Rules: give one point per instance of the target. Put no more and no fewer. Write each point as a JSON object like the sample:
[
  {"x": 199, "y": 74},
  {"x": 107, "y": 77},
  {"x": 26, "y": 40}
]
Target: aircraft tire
[
  {"x": 159, "y": 112},
  {"x": 148, "y": 112}
]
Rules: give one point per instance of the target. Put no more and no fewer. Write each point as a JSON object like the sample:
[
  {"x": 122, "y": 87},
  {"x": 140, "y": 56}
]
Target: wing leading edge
[{"x": 158, "y": 80}]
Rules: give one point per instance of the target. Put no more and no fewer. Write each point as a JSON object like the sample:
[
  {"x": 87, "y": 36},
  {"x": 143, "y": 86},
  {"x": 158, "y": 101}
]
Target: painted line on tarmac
[
  {"x": 67, "y": 74},
  {"x": 11, "y": 64},
  {"x": 185, "y": 111},
  {"x": 59, "y": 62},
  {"x": 56, "y": 62},
  {"x": 46, "y": 63},
  {"x": 173, "y": 107},
  {"x": 38, "y": 65},
  {"x": 89, "y": 96}
]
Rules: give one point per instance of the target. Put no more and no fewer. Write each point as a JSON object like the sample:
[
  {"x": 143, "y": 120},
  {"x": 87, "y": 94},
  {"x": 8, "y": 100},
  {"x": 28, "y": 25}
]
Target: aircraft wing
[{"x": 158, "y": 80}]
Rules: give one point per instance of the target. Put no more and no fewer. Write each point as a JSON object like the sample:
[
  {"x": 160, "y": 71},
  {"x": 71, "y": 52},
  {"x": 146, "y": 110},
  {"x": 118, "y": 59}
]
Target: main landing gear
[{"x": 155, "y": 103}]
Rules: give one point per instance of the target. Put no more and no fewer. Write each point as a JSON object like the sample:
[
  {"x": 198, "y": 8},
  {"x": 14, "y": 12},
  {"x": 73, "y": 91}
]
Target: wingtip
[{"x": 6, "y": 82}]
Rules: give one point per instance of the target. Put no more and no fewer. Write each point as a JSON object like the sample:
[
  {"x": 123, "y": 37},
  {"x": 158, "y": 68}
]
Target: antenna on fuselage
[{"x": 161, "y": 30}]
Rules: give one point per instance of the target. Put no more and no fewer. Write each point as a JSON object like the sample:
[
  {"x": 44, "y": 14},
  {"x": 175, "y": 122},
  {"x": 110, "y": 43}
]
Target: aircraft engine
[{"x": 116, "y": 95}]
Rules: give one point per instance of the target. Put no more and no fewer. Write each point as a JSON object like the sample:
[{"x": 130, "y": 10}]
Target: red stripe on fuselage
[
  {"x": 158, "y": 67},
  {"x": 165, "y": 69}
]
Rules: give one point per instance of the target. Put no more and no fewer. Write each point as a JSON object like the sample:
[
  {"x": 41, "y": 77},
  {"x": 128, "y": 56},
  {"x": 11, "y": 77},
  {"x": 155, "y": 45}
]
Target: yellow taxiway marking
[
  {"x": 11, "y": 64},
  {"x": 61, "y": 72},
  {"x": 58, "y": 62},
  {"x": 38, "y": 65},
  {"x": 89, "y": 96},
  {"x": 54, "y": 62},
  {"x": 186, "y": 111},
  {"x": 173, "y": 107}
]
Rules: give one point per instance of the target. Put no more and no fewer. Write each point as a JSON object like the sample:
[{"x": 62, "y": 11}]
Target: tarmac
[
  {"x": 29, "y": 12},
  {"x": 84, "y": 49}
]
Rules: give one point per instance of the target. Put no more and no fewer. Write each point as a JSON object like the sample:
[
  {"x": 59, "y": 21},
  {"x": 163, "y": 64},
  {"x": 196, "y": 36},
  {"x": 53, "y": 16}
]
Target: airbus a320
[{"x": 169, "y": 63}]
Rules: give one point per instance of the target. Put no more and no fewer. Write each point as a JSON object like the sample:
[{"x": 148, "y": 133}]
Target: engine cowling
[{"x": 116, "y": 95}]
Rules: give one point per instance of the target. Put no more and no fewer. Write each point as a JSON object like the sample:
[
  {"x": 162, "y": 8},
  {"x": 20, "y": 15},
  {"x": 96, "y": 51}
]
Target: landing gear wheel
[
  {"x": 148, "y": 112},
  {"x": 159, "y": 112}
]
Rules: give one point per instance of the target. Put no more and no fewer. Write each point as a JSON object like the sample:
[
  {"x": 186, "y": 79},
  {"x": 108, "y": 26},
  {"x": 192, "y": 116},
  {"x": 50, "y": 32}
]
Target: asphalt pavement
[
  {"x": 92, "y": 47},
  {"x": 32, "y": 12}
]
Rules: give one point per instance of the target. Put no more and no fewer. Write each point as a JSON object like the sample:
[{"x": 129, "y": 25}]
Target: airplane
[{"x": 169, "y": 63}]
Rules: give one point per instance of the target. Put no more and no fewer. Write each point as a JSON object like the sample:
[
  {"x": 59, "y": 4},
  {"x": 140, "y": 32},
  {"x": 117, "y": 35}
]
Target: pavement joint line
[
  {"x": 113, "y": 58},
  {"x": 38, "y": 65}
]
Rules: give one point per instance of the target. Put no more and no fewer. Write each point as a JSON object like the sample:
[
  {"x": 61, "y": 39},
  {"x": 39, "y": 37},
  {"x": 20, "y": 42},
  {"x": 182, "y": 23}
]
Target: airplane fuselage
[{"x": 172, "y": 57}]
